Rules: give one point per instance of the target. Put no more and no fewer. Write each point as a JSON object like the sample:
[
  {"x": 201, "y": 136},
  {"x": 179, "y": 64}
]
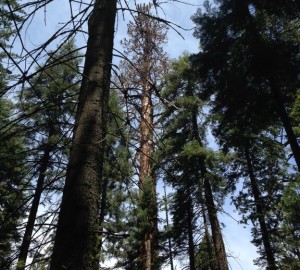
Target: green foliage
[
  {"x": 12, "y": 184},
  {"x": 288, "y": 238}
]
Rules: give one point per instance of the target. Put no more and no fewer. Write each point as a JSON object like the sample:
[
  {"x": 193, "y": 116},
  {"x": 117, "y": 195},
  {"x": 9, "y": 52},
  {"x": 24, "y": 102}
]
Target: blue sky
[{"x": 237, "y": 238}]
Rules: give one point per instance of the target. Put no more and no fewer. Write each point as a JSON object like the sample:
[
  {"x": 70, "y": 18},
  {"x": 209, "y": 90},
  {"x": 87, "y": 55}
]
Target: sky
[{"x": 237, "y": 237}]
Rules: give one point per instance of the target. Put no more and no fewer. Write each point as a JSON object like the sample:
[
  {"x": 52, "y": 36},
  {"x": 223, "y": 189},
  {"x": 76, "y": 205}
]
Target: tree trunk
[
  {"x": 215, "y": 227},
  {"x": 209, "y": 249},
  {"x": 169, "y": 239},
  {"x": 147, "y": 183},
  {"x": 260, "y": 213},
  {"x": 191, "y": 247},
  {"x": 211, "y": 208},
  {"x": 77, "y": 237},
  {"x": 34, "y": 208}
]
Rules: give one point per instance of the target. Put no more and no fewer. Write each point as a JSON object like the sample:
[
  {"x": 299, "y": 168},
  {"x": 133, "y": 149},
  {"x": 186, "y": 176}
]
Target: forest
[{"x": 115, "y": 155}]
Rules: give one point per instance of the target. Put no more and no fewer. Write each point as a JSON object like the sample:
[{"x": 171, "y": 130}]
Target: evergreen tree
[
  {"x": 49, "y": 107},
  {"x": 140, "y": 78},
  {"x": 249, "y": 63},
  {"x": 12, "y": 152},
  {"x": 12, "y": 184},
  {"x": 188, "y": 160}
]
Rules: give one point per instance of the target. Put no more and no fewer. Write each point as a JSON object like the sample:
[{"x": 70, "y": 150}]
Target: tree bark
[
  {"x": 77, "y": 237},
  {"x": 147, "y": 181},
  {"x": 215, "y": 227},
  {"x": 260, "y": 213}
]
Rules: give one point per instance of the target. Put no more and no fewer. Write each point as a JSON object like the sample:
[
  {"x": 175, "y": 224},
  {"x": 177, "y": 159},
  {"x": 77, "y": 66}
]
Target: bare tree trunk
[
  {"x": 260, "y": 214},
  {"x": 77, "y": 237},
  {"x": 34, "y": 207}
]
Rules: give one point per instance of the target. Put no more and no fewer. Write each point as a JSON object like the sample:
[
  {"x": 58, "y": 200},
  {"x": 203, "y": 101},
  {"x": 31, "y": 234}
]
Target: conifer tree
[
  {"x": 187, "y": 157},
  {"x": 49, "y": 107},
  {"x": 12, "y": 152},
  {"x": 249, "y": 62},
  {"x": 140, "y": 78}
]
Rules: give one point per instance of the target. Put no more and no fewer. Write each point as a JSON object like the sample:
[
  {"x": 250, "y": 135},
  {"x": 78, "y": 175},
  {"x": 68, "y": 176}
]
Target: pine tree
[
  {"x": 12, "y": 173},
  {"x": 12, "y": 153},
  {"x": 140, "y": 77},
  {"x": 49, "y": 107},
  {"x": 186, "y": 156},
  {"x": 249, "y": 63}
]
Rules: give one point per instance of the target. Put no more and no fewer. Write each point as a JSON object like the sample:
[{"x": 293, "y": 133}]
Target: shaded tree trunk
[
  {"x": 34, "y": 207},
  {"x": 215, "y": 227},
  {"x": 211, "y": 208},
  {"x": 260, "y": 213},
  {"x": 191, "y": 247},
  {"x": 77, "y": 237}
]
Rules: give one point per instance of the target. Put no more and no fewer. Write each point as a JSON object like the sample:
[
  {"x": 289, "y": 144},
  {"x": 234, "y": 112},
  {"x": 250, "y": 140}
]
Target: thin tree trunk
[
  {"x": 215, "y": 227},
  {"x": 77, "y": 237},
  {"x": 191, "y": 247},
  {"x": 260, "y": 213},
  {"x": 34, "y": 208},
  {"x": 211, "y": 208},
  {"x": 169, "y": 239},
  {"x": 207, "y": 238}
]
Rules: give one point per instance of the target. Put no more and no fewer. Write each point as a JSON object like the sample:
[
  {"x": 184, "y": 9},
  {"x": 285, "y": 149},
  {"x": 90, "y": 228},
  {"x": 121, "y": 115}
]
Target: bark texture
[
  {"x": 77, "y": 236},
  {"x": 147, "y": 183}
]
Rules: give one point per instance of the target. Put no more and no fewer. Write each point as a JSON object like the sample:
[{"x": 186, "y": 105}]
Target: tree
[
  {"x": 12, "y": 174},
  {"x": 186, "y": 157},
  {"x": 50, "y": 107},
  {"x": 249, "y": 63},
  {"x": 140, "y": 77},
  {"x": 77, "y": 236},
  {"x": 12, "y": 152}
]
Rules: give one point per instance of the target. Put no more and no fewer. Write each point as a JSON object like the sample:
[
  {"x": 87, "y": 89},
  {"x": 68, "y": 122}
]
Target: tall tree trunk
[
  {"x": 211, "y": 208},
  {"x": 209, "y": 248},
  {"x": 147, "y": 183},
  {"x": 34, "y": 206},
  {"x": 77, "y": 237},
  {"x": 215, "y": 226},
  {"x": 260, "y": 213}
]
